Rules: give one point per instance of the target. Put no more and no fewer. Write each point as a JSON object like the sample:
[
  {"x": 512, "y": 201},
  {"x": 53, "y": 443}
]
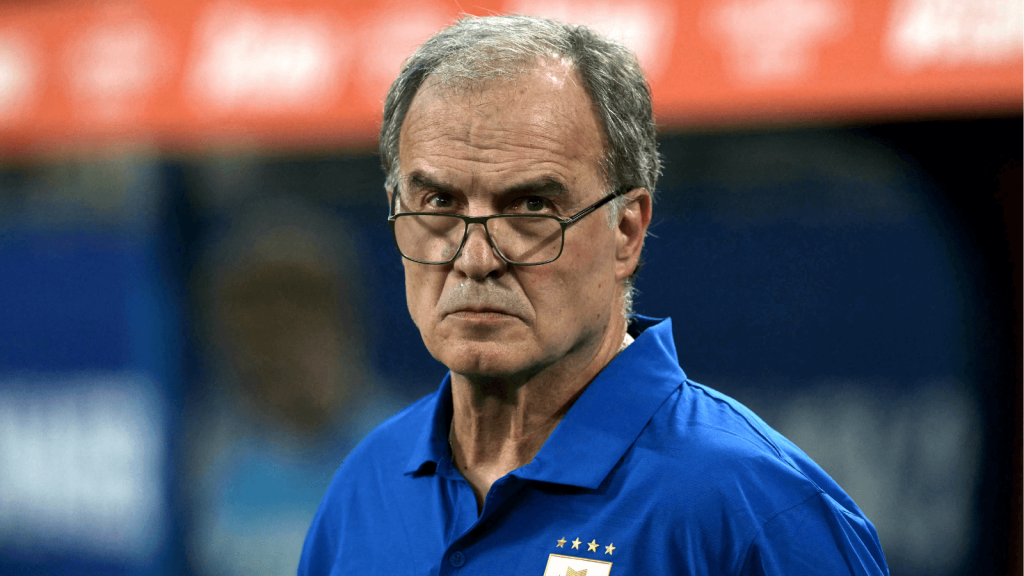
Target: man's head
[
  {"x": 515, "y": 115},
  {"x": 475, "y": 51}
]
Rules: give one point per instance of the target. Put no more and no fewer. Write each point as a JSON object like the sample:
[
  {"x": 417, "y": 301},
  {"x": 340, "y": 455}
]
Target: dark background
[{"x": 813, "y": 273}]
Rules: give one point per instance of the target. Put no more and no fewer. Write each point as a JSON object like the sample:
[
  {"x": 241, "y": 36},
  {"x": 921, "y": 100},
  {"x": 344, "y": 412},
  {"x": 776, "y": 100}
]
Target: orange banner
[{"x": 194, "y": 75}]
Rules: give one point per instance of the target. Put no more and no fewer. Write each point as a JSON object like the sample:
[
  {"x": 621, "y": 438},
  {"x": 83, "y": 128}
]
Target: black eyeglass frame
[{"x": 467, "y": 220}]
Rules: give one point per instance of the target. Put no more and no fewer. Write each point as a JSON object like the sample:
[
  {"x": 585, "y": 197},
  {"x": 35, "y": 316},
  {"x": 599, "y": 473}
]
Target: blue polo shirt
[{"x": 648, "y": 473}]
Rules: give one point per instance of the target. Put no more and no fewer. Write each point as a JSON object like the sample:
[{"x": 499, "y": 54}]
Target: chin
[{"x": 484, "y": 359}]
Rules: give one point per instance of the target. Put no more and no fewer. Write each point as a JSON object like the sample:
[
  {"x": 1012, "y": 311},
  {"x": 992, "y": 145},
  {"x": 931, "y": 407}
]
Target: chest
[{"x": 535, "y": 529}]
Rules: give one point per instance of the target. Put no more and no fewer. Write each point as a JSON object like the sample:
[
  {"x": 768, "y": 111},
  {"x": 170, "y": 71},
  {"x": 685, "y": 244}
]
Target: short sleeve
[{"x": 816, "y": 536}]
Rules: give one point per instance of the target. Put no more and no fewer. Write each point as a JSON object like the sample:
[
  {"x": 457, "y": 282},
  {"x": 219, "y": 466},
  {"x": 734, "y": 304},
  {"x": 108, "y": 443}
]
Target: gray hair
[{"x": 504, "y": 47}]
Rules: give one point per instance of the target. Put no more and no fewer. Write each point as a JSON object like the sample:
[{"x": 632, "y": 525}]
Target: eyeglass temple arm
[
  {"x": 620, "y": 192},
  {"x": 393, "y": 205}
]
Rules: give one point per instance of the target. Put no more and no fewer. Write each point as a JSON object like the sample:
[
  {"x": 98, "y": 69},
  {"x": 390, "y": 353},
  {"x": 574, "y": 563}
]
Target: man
[{"x": 521, "y": 163}]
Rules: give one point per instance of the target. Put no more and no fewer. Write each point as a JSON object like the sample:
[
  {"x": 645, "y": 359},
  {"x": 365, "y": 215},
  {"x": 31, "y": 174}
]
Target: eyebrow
[
  {"x": 543, "y": 186},
  {"x": 420, "y": 180}
]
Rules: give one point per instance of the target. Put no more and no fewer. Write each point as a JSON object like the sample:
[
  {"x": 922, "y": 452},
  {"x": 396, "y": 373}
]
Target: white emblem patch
[{"x": 559, "y": 565}]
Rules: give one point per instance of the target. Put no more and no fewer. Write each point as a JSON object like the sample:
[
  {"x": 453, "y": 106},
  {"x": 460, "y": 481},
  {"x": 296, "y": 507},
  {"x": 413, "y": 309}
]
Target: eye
[
  {"x": 532, "y": 204},
  {"x": 440, "y": 201}
]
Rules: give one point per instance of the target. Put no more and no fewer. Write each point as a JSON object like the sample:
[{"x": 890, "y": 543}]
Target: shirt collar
[
  {"x": 432, "y": 445},
  {"x": 603, "y": 423},
  {"x": 610, "y": 414}
]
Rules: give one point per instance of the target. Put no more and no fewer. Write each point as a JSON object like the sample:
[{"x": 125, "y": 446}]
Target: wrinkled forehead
[
  {"x": 546, "y": 95},
  {"x": 542, "y": 117}
]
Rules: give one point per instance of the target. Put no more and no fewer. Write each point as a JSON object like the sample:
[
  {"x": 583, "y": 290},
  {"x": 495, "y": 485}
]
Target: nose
[{"x": 478, "y": 258}]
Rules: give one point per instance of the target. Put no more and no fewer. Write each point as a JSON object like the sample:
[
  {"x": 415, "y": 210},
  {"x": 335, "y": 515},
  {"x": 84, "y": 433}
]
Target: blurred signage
[
  {"x": 82, "y": 467},
  {"x": 200, "y": 74},
  {"x": 909, "y": 459}
]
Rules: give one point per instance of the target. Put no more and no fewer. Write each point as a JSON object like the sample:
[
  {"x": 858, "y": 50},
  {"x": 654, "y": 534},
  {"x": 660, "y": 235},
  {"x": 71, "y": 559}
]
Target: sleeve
[{"x": 817, "y": 536}]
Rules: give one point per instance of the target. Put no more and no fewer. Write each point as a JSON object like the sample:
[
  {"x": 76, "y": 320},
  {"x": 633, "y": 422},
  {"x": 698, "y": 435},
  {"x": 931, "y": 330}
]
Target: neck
[{"x": 500, "y": 424}]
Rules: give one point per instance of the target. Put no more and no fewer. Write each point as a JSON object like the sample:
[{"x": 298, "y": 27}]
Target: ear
[{"x": 634, "y": 218}]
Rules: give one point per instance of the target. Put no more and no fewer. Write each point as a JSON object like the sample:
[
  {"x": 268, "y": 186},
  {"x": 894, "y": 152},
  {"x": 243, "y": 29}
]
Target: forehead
[{"x": 541, "y": 124}]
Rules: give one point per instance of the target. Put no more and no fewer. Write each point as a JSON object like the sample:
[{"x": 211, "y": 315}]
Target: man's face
[{"x": 530, "y": 145}]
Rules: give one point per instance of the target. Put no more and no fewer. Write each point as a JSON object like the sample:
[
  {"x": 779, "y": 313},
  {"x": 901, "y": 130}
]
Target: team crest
[{"x": 559, "y": 565}]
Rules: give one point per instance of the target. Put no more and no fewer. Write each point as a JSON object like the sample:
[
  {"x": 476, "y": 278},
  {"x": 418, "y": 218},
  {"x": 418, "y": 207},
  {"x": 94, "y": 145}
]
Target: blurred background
[{"x": 203, "y": 311}]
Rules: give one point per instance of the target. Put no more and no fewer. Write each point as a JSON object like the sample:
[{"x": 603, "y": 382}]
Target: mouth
[
  {"x": 477, "y": 303},
  {"x": 480, "y": 314},
  {"x": 475, "y": 310}
]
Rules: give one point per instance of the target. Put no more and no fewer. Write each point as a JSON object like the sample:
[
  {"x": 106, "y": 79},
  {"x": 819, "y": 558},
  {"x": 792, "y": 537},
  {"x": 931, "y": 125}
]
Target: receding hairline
[{"x": 559, "y": 69}]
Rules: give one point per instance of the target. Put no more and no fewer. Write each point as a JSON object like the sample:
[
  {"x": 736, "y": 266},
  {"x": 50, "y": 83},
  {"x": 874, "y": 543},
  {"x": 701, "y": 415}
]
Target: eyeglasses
[{"x": 519, "y": 239}]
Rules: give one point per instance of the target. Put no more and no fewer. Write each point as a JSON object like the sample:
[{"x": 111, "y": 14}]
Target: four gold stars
[{"x": 591, "y": 546}]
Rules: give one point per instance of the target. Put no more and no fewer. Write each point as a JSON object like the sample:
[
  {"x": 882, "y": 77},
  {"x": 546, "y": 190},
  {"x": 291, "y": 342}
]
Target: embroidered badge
[{"x": 559, "y": 565}]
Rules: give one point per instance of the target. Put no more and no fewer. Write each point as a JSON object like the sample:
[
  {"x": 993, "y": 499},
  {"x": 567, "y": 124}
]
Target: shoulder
[
  {"x": 704, "y": 425},
  {"x": 703, "y": 421},
  {"x": 356, "y": 494},
  {"x": 750, "y": 497},
  {"x": 727, "y": 456},
  {"x": 389, "y": 446},
  {"x": 745, "y": 481}
]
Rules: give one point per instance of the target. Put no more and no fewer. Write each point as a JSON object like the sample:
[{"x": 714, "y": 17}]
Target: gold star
[
  {"x": 576, "y": 544},
  {"x": 561, "y": 542},
  {"x": 592, "y": 545},
  {"x": 608, "y": 549}
]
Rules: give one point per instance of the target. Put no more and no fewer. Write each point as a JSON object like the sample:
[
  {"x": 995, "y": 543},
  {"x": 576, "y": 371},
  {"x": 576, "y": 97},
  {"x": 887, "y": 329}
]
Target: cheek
[
  {"x": 413, "y": 291},
  {"x": 591, "y": 258},
  {"x": 590, "y": 275},
  {"x": 423, "y": 286},
  {"x": 573, "y": 287}
]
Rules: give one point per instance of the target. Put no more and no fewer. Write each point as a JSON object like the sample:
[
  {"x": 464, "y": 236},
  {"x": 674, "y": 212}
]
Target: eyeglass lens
[{"x": 435, "y": 238}]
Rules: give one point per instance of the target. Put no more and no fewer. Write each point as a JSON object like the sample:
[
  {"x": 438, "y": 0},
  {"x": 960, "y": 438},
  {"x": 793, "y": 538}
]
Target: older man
[{"x": 521, "y": 163}]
